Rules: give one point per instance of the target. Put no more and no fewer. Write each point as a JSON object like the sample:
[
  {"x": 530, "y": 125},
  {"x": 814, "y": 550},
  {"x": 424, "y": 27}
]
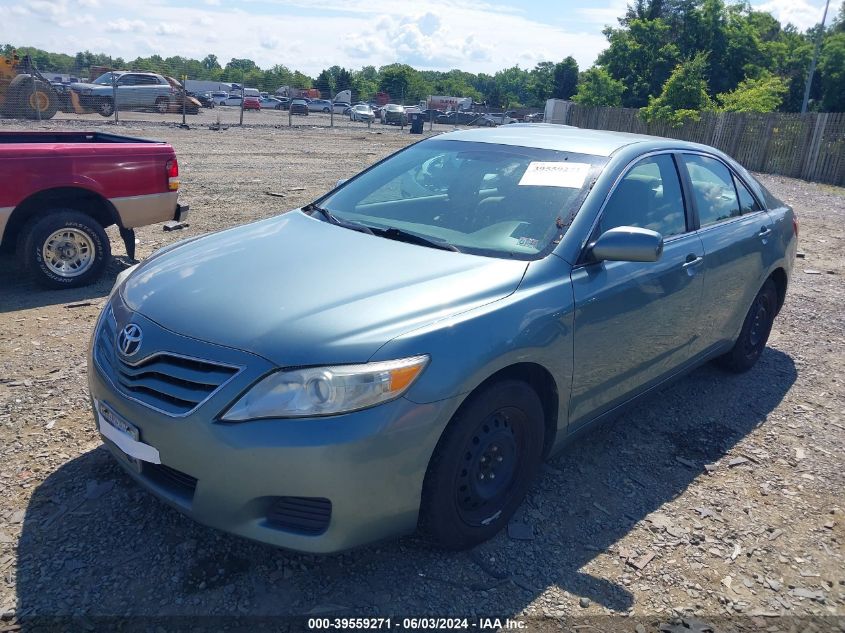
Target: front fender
[{"x": 532, "y": 325}]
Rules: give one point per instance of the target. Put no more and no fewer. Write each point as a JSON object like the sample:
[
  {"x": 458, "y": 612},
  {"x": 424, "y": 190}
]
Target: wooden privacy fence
[{"x": 809, "y": 146}]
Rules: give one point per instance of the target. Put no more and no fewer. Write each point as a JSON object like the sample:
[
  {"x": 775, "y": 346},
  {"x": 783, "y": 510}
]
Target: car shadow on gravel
[
  {"x": 19, "y": 292},
  {"x": 95, "y": 544}
]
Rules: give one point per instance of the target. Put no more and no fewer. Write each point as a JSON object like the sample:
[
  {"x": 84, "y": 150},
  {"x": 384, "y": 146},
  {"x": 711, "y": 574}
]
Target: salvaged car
[
  {"x": 132, "y": 90},
  {"x": 437, "y": 341}
]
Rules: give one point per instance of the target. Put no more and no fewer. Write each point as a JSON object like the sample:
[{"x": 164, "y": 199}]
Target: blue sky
[{"x": 309, "y": 35}]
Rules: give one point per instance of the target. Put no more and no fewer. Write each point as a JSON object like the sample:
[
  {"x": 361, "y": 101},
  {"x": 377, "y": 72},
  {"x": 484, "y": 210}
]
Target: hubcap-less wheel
[
  {"x": 68, "y": 252},
  {"x": 490, "y": 463}
]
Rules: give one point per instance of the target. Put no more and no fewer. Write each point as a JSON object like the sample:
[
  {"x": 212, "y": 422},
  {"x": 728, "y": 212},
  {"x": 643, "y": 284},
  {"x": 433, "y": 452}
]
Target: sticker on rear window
[{"x": 541, "y": 174}]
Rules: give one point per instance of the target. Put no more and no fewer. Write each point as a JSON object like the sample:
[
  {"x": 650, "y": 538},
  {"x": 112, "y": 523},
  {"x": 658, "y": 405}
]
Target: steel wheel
[
  {"x": 490, "y": 462},
  {"x": 483, "y": 464},
  {"x": 68, "y": 253},
  {"x": 755, "y": 331}
]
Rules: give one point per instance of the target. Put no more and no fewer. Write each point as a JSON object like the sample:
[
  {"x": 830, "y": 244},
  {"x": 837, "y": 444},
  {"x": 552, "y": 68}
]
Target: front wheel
[
  {"x": 483, "y": 465},
  {"x": 105, "y": 107},
  {"x": 755, "y": 331},
  {"x": 64, "y": 249}
]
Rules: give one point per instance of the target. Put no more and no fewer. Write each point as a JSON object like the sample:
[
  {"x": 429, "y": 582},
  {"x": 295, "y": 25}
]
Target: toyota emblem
[{"x": 129, "y": 339}]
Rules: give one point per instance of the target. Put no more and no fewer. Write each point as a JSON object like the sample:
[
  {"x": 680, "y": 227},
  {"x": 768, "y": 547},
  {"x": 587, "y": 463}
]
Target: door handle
[
  {"x": 764, "y": 231},
  {"x": 693, "y": 260}
]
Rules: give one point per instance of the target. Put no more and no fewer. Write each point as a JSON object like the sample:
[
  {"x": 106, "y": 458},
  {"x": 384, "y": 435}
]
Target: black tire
[
  {"x": 497, "y": 431},
  {"x": 325, "y": 110},
  {"x": 37, "y": 233},
  {"x": 105, "y": 107},
  {"x": 162, "y": 105},
  {"x": 755, "y": 331},
  {"x": 29, "y": 100}
]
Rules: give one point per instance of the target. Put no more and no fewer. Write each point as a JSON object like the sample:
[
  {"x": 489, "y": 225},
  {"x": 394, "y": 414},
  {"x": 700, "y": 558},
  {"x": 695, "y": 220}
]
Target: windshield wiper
[
  {"x": 400, "y": 235},
  {"x": 331, "y": 218}
]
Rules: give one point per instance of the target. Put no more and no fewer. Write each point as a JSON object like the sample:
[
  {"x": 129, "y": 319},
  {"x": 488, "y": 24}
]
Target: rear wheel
[
  {"x": 162, "y": 105},
  {"x": 64, "y": 249},
  {"x": 755, "y": 331},
  {"x": 483, "y": 465}
]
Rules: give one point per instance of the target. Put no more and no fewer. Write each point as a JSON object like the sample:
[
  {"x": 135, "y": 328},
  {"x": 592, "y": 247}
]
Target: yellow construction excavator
[{"x": 26, "y": 94}]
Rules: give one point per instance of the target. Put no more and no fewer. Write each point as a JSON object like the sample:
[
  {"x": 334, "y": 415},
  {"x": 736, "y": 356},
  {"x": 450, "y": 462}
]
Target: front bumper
[{"x": 369, "y": 464}]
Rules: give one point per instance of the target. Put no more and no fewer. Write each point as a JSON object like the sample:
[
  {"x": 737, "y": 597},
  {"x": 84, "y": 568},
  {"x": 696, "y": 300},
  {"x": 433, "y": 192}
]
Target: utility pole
[{"x": 810, "y": 74}]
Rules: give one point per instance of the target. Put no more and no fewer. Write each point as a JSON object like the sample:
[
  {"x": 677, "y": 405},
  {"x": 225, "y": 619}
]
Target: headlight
[{"x": 319, "y": 391}]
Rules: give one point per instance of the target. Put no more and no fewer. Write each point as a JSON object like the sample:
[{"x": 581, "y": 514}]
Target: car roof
[{"x": 564, "y": 138}]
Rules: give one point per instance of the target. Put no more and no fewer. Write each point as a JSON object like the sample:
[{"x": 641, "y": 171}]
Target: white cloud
[
  {"x": 168, "y": 28},
  {"x": 801, "y": 13},
  {"x": 432, "y": 34},
  {"x": 122, "y": 25}
]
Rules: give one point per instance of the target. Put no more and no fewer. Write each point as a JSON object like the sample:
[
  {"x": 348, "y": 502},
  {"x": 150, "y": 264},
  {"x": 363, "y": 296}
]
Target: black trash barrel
[{"x": 417, "y": 120}]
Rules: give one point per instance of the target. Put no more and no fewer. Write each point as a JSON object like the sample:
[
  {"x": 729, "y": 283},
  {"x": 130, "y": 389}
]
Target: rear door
[
  {"x": 635, "y": 321},
  {"x": 735, "y": 231}
]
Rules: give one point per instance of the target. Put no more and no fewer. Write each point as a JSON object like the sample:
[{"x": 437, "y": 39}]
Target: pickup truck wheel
[
  {"x": 483, "y": 465},
  {"x": 64, "y": 249},
  {"x": 105, "y": 107},
  {"x": 755, "y": 331},
  {"x": 162, "y": 105}
]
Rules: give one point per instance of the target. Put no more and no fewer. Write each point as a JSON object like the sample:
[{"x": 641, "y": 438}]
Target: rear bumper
[{"x": 135, "y": 211}]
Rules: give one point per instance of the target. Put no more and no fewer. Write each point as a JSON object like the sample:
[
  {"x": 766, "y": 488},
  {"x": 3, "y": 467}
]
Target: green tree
[
  {"x": 597, "y": 88},
  {"x": 565, "y": 78},
  {"x": 365, "y": 82},
  {"x": 210, "y": 63},
  {"x": 641, "y": 56},
  {"x": 764, "y": 94},
  {"x": 684, "y": 94},
  {"x": 832, "y": 72}
]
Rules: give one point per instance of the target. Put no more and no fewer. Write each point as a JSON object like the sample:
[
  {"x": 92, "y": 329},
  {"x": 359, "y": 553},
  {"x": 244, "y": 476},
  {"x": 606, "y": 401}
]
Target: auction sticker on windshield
[{"x": 560, "y": 174}]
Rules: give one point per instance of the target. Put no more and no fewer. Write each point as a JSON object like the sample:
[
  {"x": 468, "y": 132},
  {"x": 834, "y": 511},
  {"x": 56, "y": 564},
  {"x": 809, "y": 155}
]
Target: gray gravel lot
[{"x": 720, "y": 497}]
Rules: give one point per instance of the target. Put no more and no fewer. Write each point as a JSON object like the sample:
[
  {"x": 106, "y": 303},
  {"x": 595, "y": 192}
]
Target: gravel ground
[{"x": 720, "y": 497}]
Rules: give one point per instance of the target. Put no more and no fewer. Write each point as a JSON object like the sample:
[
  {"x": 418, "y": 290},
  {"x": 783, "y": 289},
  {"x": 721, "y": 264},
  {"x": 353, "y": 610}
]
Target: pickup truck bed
[{"x": 61, "y": 189}]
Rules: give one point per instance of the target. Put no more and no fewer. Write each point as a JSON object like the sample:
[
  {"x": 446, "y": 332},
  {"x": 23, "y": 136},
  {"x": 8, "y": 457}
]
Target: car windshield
[
  {"x": 481, "y": 198},
  {"x": 104, "y": 79}
]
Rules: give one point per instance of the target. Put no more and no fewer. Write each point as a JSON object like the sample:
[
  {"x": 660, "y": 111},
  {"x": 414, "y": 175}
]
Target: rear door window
[
  {"x": 747, "y": 203},
  {"x": 712, "y": 188}
]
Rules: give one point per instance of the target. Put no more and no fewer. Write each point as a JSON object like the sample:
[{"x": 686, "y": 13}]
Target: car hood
[
  {"x": 84, "y": 86},
  {"x": 299, "y": 291}
]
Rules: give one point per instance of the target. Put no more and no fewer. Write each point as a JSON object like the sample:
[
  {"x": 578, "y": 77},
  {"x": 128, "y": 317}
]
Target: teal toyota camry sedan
[{"x": 405, "y": 351}]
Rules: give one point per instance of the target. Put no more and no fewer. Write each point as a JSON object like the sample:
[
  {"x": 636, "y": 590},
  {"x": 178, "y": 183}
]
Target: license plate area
[{"x": 126, "y": 436}]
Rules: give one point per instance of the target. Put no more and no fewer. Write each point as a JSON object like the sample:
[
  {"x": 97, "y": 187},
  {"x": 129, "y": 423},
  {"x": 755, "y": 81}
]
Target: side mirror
[{"x": 628, "y": 244}]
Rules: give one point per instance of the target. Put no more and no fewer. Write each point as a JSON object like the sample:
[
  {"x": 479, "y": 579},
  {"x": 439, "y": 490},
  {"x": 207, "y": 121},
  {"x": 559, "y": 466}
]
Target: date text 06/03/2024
[{"x": 411, "y": 623}]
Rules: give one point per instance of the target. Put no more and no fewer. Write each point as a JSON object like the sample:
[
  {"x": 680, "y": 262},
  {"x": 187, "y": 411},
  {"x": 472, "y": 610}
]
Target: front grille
[
  {"x": 305, "y": 515},
  {"x": 172, "y": 480},
  {"x": 164, "y": 381}
]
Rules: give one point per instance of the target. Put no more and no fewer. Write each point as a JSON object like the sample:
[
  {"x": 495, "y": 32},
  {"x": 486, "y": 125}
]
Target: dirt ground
[{"x": 716, "y": 503}]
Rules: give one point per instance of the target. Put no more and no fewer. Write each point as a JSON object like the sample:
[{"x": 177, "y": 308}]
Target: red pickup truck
[{"x": 60, "y": 190}]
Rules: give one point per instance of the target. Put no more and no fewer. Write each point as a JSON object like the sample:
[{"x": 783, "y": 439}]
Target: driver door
[{"x": 635, "y": 321}]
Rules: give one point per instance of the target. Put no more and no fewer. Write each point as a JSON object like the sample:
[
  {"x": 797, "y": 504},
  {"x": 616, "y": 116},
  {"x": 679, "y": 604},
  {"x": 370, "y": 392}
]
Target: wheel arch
[
  {"x": 781, "y": 280},
  {"x": 541, "y": 380},
  {"x": 77, "y": 198}
]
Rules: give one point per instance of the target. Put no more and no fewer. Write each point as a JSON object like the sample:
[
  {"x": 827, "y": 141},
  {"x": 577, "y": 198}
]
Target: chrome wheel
[{"x": 68, "y": 252}]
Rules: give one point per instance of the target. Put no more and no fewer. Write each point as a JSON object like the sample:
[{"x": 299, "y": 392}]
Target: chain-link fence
[{"x": 175, "y": 95}]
